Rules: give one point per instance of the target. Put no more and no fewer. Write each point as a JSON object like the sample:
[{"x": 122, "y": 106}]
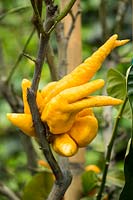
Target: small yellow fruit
[
  {"x": 43, "y": 164},
  {"x": 93, "y": 168}
]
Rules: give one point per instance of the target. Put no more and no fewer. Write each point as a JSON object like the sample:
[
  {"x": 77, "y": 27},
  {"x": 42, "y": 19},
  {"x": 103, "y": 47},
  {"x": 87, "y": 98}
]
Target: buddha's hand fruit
[{"x": 66, "y": 105}]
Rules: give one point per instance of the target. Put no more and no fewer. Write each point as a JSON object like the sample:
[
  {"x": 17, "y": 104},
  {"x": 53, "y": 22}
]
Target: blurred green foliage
[
  {"x": 15, "y": 28},
  {"x": 38, "y": 187}
]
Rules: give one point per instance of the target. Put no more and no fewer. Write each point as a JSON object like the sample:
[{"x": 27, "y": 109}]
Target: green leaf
[
  {"x": 127, "y": 192},
  {"x": 116, "y": 87},
  {"x": 39, "y": 187},
  {"x": 130, "y": 86},
  {"x": 116, "y": 84},
  {"x": 89, "y": 181},
  {"x": 130, "y": 92}
]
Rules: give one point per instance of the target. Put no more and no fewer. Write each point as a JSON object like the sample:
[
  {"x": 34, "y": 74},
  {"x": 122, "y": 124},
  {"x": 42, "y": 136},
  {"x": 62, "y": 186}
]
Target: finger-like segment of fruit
[
  {"x": 84, "y": 130},
  {"x": 23, "y": 122},
  {"x": 64, "y": 145},
  {"x": 39, "y": 99}
]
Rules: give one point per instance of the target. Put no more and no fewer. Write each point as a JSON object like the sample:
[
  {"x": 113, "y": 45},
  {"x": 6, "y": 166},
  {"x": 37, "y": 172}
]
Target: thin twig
[
  {"x": 74, "y": 18},
  {"x": 109, "y": 150},
  {"x": 63, "y": 40},
  {"x": 64, "y": 12},
  {"x": 39, "y": 62},
  {"x": 29, "y": 57},
  {"x": 44, "y": 39},
  {"x": 34, "y": 20},
  {"x": 49, "y": 51},
  {"x": 5, "y": 191},
  {"x": 38, "y": 17},
  {"x": 20, "y": 56}
]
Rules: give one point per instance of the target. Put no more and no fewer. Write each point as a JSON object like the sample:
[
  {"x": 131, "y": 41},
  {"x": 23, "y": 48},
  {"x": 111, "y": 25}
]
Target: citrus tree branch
[
  {"x": 74, "y": 18},
  {"x": 63, "y": 41},
  {"x": 63, "y": 178},
  {"x": 65, "y": 10},
  {"x": 37, "y": 16},
  {"x": 44, "y": 39},
  {"x": 37, "y": 4}
]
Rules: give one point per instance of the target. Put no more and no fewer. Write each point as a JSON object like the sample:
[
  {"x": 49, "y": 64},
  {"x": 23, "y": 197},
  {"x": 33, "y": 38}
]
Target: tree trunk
[{"x": 74, "y": 58}]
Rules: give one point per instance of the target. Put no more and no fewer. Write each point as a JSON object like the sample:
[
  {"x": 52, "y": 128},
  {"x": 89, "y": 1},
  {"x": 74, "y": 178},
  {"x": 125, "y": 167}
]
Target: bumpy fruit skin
[
  {"x": 66, "y": 105},
  {"x": 64, "y": 145},
  {"x": 47, "y": 89}
]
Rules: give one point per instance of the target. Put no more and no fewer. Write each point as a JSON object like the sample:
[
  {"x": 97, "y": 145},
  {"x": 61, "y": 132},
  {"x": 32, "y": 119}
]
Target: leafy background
[{"x": 15, "y": 27}]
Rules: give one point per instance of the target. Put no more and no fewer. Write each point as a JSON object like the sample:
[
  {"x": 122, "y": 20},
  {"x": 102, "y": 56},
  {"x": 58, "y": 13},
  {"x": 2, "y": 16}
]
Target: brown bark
[{"x": 74, "y": 58}]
